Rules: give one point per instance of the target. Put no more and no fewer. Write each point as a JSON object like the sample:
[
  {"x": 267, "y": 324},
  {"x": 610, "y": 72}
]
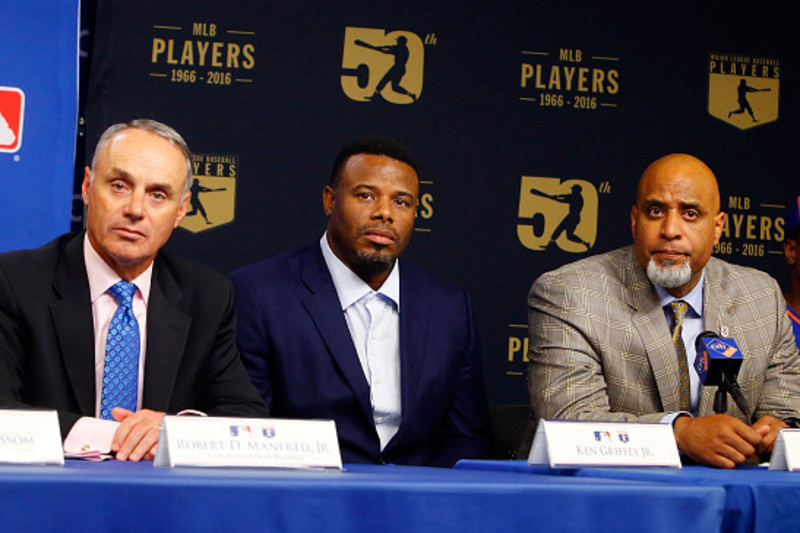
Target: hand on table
[
  {"x": 768, "y": 441},
  {"x": 722, "y": 440},
  {"x": 137, "y": 436}
]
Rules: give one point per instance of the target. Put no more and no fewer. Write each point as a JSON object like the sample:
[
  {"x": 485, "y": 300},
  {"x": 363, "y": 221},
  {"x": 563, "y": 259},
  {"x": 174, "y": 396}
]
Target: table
[
  {"x": 756, "y": 499},
  {"x": 119, "y": 496}
]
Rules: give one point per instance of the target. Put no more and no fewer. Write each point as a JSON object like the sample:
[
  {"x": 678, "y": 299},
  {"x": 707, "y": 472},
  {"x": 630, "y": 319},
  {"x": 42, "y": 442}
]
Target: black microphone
[{"x": 717, "y": 363}]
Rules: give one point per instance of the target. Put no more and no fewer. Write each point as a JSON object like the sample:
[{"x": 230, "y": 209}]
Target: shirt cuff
[
  {"x": 90, "y": 437},
  {"x": 670, "y": 418}
]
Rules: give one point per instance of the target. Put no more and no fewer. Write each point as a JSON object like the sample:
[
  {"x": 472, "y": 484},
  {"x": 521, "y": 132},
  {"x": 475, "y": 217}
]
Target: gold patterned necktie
[{"x": 679, "y": 308}]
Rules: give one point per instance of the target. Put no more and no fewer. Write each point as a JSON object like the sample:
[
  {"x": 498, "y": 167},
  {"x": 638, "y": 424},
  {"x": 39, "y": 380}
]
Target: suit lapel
[
  {"x": 716, "y": 318},
  {"x": 650, "y": 323},
  {"x": 325, "y": 310},
  {"x": 167, "y": 334},
  {"x": 414, "y": 330},
  {"x": 72, "y": 319}
]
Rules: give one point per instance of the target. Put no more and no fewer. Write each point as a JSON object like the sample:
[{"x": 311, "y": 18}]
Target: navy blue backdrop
[{"x": 519, "y": 114}]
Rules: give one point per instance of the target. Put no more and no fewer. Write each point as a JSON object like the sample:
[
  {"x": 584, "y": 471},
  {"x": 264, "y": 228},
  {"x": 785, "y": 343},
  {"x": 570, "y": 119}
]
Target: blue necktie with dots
[{"x": 121, "y": 373}]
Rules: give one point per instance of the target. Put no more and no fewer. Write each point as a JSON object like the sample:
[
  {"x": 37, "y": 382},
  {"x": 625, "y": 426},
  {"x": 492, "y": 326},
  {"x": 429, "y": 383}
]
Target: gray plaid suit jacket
[{"x": 600, "y": 346}]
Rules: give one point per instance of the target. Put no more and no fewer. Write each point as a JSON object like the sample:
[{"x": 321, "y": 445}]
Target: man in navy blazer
[{"x": 341, "y": 330}]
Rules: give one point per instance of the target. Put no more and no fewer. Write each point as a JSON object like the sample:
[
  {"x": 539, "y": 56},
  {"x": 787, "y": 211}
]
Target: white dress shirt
[{"x": 373, "y": 318}]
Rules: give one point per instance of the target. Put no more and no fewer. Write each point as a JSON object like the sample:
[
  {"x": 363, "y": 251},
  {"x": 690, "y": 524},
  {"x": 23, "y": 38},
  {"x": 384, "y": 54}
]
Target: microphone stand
[{"x": 727, "y": 385}]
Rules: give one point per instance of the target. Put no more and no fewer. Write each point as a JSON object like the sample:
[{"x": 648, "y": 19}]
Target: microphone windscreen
[{"x": 715, "y": 357}]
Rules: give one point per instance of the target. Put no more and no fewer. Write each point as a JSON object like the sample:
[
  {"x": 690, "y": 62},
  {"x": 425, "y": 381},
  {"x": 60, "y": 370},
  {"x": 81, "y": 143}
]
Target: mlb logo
[
  {"x": 600, "y": 436},
  {"x": 240, "y": 431},
  {"x": 12, "y": 112}
]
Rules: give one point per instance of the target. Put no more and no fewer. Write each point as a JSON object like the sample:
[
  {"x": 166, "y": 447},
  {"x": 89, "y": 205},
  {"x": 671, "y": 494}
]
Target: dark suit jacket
[
  {"x": 298, "y": 351},
  {"x": 47, "y": 338}
]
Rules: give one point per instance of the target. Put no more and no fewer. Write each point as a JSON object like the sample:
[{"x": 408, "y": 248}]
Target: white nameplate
[
  {"x": 30, "y": 437},
  {"x": 571, "y": 444},
  {"x": 257, "y": 442},
  {"x": 786, "y": 452}
]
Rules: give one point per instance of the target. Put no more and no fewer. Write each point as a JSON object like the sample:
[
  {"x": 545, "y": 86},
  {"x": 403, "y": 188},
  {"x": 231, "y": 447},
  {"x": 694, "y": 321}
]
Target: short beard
[
  {"x": 367, "y": 265},
  {"x": 669, "y": 276}
]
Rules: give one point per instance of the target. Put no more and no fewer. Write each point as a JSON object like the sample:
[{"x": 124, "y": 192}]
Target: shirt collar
[
  {"x": 349, "y": 287},
  {"x": 102, "y": 277},
  {"x": 694, "y": 298}
]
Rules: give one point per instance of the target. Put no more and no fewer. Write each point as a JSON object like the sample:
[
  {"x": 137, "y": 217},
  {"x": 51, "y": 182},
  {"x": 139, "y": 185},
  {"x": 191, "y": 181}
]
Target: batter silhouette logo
[
  {"x": 382, "y": 66},
  {"x": 743, "y": 90},
  {"x": 212, "y": 199},
  {"x": 12, "y": 113},
  {"x": 558, "y": 214}
]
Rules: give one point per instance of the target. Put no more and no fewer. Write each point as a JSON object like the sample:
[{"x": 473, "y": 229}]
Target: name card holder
[
  {"x": 786, "y": 452},
  {"x": 579, "y": 444},
  {"x": 30, "y": 437},
  {"x": 248, "y": 442}
]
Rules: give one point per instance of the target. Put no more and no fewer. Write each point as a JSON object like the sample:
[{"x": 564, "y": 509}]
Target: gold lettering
[
  {"x": 204, "y": 29},
  {"x": 567, "y": 54},
  {"x": 516, "y": 346},
  {"x": 780, "y": 227},
  {"x": 202, "y": 50},
  {"x": 249, "y": 59},
  {"x": 737, "y": 223},
  {"x": 171, "y": 52},
  {"x": 187, "y": 56},
  {"x": 555, "y": 80},
  {"x": 539, "y": 84},
  {"x": 766, "y": 225},
  {"x": 426, "y": 204},
  {"x": 233, "y": 55},
  {"x": 597, "y": 80},
  {"x": 613, "y": 85},
  {"x": 158, "y": 48},
  {"x": 582, "y": 76},
  {"x": 527, "y": 73},
  {"x": 751, "y": 227},
  {"x": 569, "y": 73}
]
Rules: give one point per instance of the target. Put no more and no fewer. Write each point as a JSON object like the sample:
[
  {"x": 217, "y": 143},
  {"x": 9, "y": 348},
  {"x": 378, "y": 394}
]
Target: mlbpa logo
[{"x": 12, "y": 111}]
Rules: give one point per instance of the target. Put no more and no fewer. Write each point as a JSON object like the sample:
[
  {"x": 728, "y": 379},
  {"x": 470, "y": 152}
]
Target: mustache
[{"x": 381, "y": 228}]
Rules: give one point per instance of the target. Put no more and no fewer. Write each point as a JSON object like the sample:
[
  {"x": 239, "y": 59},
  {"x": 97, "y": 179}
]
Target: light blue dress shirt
[
  {"x": 693, "y": 325},
  {"x": 373, "y": 318}
]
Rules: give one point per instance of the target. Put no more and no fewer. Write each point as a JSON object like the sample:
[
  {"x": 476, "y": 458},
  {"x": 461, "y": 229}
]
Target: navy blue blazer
[{"x": 298, "y": 351}]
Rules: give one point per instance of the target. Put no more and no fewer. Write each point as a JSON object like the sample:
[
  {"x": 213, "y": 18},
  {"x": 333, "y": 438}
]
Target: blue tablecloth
[
  {"x": 119, "y": 497},
  {"x": 756, "y": 499}
]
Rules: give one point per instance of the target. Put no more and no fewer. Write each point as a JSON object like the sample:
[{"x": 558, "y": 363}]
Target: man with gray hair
[
  {"x": 108, "y": 329},
  {"x": 612, "y": 337}
]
